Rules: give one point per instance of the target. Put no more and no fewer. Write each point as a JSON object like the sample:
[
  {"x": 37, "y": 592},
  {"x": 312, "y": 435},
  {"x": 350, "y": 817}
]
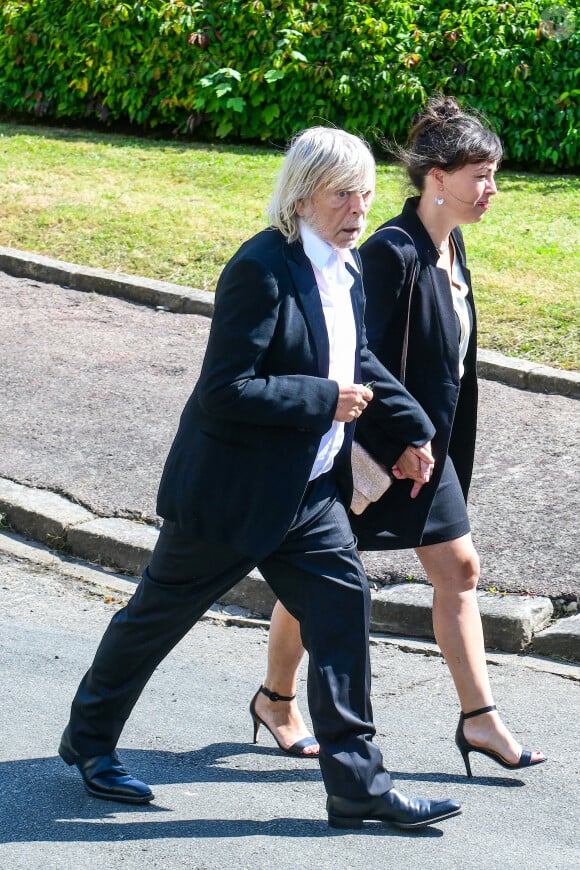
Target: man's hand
[
  {"x": 416, "y": 463},
  {"x": 352, "y": 401}
]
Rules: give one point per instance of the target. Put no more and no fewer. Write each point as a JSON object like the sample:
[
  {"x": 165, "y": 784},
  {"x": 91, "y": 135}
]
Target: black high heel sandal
[
  {"x": 465, "y": 747},
  {"x": 297, "y": 749}
]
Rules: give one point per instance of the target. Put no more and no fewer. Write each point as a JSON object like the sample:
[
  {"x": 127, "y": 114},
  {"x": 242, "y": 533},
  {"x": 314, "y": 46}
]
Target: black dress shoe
[
  {"x": 393, "y": 806},
  {"x": 104, "y": 775}
]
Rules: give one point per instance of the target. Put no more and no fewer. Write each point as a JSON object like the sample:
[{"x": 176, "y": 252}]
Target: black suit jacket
[
  {"x": 249, "y": 433},
  {"x": 432, "y": 375}
]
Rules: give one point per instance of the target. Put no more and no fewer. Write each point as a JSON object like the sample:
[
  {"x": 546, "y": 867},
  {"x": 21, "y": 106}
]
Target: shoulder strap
[{"x": 413, "y": 277}]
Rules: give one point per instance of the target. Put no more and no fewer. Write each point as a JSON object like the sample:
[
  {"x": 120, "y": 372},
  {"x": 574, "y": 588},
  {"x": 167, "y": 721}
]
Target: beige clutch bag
[{"x": 371, "y": 480}]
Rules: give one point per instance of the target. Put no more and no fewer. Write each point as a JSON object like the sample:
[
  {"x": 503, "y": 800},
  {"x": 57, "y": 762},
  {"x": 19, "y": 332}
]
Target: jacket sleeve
[
  {"x": 235, "y": 384},
  {"x": 393, "y": 419},
  {"x": 387, "y": 272},
  {"x": 383, "y": 429}
]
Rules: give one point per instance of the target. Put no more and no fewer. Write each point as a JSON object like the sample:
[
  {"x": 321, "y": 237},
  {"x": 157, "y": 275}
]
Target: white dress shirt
[{"x": 334, "y": 283}]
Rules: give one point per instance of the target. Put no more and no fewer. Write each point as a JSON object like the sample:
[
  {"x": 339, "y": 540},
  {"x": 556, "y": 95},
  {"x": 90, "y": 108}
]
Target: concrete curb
[
  {"x": 147, "y": 291},
  {"x": 527, "y": 375},
  {"x": 512, "y": 623},
  {"x": 188, "y": 300}
]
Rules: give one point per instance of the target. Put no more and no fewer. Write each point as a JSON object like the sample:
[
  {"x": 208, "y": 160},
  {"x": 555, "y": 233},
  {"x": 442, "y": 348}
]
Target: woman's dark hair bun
[
  {"x": 445, "y": 136},
  {"x": 444, "y": 108},
  {"x": 438, "y": 111}
]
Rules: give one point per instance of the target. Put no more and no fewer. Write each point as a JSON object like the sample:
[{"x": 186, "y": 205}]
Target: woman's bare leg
[
  {"x": 453, "y": 569},
  {"x": 285, "y": 653}
]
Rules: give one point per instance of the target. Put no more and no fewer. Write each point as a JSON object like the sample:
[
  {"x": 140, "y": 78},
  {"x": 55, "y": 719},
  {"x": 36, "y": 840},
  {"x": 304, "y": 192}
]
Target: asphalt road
[
  {"x": 91, "y": 392},
  {"x": 220, "y": 801}
]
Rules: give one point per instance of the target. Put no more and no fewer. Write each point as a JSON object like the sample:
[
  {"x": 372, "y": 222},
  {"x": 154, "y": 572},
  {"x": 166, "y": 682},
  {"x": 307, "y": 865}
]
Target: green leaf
[
  {"x": 273, "y": 75},
  {"x": 224, "y": 129},
  {"x": 271, "y": 112},
  {"x": 238, "y": 104}
]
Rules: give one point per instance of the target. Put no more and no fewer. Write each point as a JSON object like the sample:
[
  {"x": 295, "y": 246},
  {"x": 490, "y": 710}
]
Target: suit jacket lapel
[
  {"x": 309, "y": 298},
  {"x": 357, "y": 298}
]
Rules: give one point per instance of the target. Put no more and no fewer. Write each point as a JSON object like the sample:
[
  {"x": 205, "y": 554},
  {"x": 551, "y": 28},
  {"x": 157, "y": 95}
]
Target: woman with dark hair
[{"x": 420, "y": 321}]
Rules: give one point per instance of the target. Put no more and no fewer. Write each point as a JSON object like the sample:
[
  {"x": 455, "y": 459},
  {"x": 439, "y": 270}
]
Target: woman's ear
[{"x": 437, "y": 176}]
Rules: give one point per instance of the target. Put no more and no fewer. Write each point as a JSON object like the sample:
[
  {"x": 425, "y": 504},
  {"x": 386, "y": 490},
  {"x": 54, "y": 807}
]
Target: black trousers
[{"x": 316, "y": 573}]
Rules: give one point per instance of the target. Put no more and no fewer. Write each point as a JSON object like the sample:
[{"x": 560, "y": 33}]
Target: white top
[
  {"x": 459, "y": 290},
  {"x": 334, "y": 283}
]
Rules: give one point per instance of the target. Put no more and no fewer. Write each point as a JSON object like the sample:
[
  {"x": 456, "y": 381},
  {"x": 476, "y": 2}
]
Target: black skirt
[{"x": 446, "y": 521}]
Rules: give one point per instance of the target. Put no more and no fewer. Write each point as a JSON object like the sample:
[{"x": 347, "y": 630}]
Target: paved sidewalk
[
  {"x": 190, "y": 300},
  {"x": 222, "y": 802},
  {"x": 92, "y": 389}
]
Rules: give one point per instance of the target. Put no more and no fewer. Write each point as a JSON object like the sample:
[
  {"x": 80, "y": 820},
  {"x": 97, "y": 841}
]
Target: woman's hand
[{"x": 415, "y": 463}]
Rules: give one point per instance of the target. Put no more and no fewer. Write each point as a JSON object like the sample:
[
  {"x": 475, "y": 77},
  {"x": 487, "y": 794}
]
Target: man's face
[{"x": 337, "y": 216}]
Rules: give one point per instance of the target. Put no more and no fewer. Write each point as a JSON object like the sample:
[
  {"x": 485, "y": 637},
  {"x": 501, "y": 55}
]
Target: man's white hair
[{"x": 318, "y": 157}]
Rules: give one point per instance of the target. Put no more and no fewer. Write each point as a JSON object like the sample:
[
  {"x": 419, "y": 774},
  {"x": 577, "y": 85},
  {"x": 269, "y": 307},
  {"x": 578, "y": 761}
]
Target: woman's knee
[
  {"x": 455, "y": 570},
  {"x": 466, "y": 572}
]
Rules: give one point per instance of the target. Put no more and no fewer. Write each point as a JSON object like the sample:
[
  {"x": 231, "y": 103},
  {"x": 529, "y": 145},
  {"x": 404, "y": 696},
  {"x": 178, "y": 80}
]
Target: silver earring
[{"x": 439, "y": 200}]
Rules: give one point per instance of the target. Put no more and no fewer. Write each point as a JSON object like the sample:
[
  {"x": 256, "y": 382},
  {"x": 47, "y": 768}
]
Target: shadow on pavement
[{"x": 44, "y": 801}]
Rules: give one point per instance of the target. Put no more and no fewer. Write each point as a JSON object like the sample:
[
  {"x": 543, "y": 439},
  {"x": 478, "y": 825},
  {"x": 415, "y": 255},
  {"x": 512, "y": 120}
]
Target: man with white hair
[{"x": 259, "y": 475}]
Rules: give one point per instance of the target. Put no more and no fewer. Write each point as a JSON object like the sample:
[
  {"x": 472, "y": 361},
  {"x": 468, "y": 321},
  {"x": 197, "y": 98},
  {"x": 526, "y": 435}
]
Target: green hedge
[{"x": 261, "y": 69}]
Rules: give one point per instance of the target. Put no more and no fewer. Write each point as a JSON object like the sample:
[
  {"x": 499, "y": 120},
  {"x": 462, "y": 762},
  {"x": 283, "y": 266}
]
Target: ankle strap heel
[
  {"x": 479, "y": 712},
  {"x": 274, "y": 696},
  {"x": 526, "y": 758},
  {"x": 297, "y": 749}
]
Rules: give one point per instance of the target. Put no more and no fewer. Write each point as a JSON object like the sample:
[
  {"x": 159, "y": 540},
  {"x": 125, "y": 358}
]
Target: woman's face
[{"x": 467, "y": 191}]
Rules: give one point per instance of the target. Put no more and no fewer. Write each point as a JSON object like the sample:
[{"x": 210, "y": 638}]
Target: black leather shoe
[
  {"x": 393, "y": 806},
  {"x": 104, "y": 775}
]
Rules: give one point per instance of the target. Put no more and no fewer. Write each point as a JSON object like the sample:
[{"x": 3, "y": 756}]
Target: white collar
[{"x": 320, "y": 252}]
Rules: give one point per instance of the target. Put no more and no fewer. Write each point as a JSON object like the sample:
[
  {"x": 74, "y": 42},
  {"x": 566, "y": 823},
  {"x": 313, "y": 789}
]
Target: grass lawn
[{"x": 178, "y": 211}]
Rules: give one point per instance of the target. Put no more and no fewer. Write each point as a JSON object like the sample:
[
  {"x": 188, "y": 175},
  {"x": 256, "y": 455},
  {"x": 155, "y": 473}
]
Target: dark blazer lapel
[
  {"x": 357, "y": 298},
  {"x": 447, "y": 316},
  {"x": 308, "y": 296},
  {"x": 460, "y": 250},
  {"x": 356, "y": 291}
]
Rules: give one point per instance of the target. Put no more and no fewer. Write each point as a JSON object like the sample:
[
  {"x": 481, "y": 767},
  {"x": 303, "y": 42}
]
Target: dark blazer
[
  {"x": 249, "y": 433},
  {"x": 432, "y": 374}
]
